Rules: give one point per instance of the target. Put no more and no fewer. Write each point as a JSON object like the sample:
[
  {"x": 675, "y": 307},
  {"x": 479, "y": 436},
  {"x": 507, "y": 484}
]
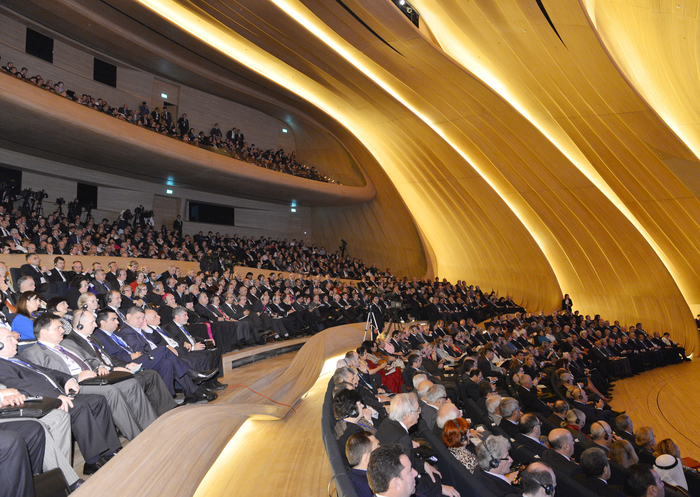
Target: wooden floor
[{"x": 667, "y": 400}]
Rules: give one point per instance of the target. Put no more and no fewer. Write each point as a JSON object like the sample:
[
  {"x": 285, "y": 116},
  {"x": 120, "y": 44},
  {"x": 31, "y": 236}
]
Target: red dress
[{"x": 392, "y": 381}]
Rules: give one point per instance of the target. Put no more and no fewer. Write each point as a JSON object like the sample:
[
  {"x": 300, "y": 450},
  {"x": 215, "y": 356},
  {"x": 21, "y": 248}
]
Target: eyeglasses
[{"x": 416, "y": 410}]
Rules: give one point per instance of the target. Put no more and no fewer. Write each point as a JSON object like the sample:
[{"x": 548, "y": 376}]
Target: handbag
[
  {"x": 108, "y": 379},
  {"x": 31, "y": 408}
]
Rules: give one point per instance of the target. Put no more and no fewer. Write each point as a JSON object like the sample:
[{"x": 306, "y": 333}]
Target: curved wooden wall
[
  {"x": 197, "y": 435},
  {"x": 498, "y": 201},
  {"x": 575, "y": 94}
]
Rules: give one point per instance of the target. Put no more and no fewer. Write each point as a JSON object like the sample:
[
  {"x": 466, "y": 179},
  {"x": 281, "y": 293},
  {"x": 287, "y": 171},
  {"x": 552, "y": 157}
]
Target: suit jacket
[
  {"x": 499, "y": 487},
  {"x": 174, "y": 332},
  {"x": 561, "y": 463},
  {"x": 101, "y": 288},
  {"x": 134, "y": 339},
  {"x": 510, "y": 428},
  {"x": 76, "y": 343},
  {"x": 111, "y": 347},
  {"x": 429, "y": 415},
  {"x": 531, "y": 402},
  {"x": 36, "y": 275},
  {"x": 391, "y": 432},
  {"x": 43, "y": 356},
  {"x": 536, "y": 448},
  {"x": 598, "y": 486},
  {"x": 30, "y": 382}
]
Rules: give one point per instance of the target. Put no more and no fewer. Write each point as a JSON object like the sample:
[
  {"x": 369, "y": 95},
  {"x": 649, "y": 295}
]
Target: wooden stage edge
[{"x": 175, "y": 454}]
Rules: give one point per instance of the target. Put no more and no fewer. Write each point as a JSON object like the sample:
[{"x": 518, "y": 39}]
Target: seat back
[
  {"x": 15, "y": 274},
  {"x": 453, "y": 472},
  {"x": 344, "y": 485}
]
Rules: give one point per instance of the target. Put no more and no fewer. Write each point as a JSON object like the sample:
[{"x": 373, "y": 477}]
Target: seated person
[
  {"x": 390, "y": 472},
  {"x": 455, "y": 436},
  {"x": 358, "y": 449},
  {"x": 494, "y": 462},
  {"x": 27, "y": 307},
  {"x": 643, "y": 481},
  {"x": 596, "y": 473},
  {"x": 351, "y": 416}
]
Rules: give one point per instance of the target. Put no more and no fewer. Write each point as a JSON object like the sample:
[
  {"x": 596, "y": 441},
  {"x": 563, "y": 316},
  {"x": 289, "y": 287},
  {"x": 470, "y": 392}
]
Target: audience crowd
[
  {"x": 163, "y": 122},
  {"x": 133, "y": 235},
  {"x": 514, "y": 406},
  {"x": 513, "y": 395}
]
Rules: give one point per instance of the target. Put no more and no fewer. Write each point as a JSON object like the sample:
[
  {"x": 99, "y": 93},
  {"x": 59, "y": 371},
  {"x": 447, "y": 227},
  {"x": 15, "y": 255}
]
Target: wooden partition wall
[{"x": 157, "y": 265}]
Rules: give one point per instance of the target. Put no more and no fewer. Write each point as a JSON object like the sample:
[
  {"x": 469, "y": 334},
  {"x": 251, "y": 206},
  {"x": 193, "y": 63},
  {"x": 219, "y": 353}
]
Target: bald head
[
  {"x": 422, "y": 389},
  {"x": 446, "y": 413},
  {"x": 561, "y": 441}
]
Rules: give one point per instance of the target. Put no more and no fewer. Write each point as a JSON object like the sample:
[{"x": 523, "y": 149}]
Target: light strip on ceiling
[{"x": 447, "y": 33}]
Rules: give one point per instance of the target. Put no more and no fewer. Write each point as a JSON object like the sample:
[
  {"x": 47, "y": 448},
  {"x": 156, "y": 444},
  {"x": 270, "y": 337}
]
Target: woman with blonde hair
[
  {"x": 669, "y": 464},
  {"x": 622, "y": 452}
]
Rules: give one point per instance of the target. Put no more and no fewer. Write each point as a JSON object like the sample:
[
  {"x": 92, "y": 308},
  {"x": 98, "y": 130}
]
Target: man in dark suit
[
  {"x": 58, "y": 277},
  {"x": 197, "y": 356},
  {"x": 183, "y": 124},
  {"x": 157, "y": 360},
  {"x": 166, "y": 117},
  {"x": 494, "y": 464},
  {"x": 580, "y": 402},
  {"x": 528, "y": 396},
  {"x": 177, "y": 225},
  {"x": 83, "y": 340},
  {"x": 596, "y": 472},
  {"x": 559, "y": 411},
  {"x": 562, "y": 450},
  {"x": 34, "y": 270},
  {"x": 530, "y": 431},
  {"x": 133, "y": 334},
  {"x": 510, "y": 412},
  {"x": 91, "y": 419},
  {"x": 100, "y": 285},
  {"x": 404, "y": 413},
  {"x": 130, "y": 408}
]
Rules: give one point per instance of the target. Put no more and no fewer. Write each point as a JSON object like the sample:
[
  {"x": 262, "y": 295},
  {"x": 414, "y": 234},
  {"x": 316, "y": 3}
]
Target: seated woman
[
  {"x": 669, "y": 464},
  {"x": 644, "y": 438},
  {"x": 575, "y": 421},
  {"x": 59, "y": 307},
  {"x": 622, "y": 452},
  {"x": 78, "y": 287},
  {"x": 455, "y": 436},
  {"x": 27, "y": 306},
  {"x": 383, "y": 363},
  {"x": 351, "y": 417}
]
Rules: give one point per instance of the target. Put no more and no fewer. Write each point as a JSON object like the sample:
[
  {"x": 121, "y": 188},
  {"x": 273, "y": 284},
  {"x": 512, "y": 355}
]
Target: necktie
[
  {"x": 105, "y": 357},
  {"x": 73, "y": 358},
  {"x": 150, "y": 344},
  {"x": 29, "y": 366}
]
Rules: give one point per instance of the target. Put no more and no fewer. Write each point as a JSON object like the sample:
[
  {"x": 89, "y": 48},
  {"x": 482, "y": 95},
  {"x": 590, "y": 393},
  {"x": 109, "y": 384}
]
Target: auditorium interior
[{"x": 531, "y": 148}]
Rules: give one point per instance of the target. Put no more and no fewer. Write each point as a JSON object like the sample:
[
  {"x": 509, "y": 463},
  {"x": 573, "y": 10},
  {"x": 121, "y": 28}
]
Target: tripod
[{"x": 370, "y": 325}]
